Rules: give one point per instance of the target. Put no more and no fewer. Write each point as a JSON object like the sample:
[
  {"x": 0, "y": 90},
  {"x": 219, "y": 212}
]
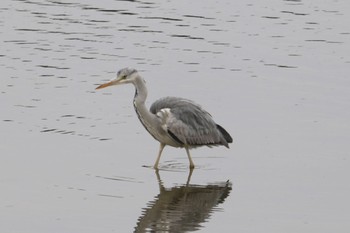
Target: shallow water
[{"x": 273, "y": 73}]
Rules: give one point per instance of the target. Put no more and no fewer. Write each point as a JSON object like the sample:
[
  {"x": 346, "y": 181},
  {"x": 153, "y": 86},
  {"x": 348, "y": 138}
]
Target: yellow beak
[
  {"x": 105, "y": 85},
  {"x": 113, "y": 82}
]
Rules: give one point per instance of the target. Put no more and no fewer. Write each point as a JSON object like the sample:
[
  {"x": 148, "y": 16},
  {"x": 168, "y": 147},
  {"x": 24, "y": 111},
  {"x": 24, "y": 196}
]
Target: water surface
[{"x": 273, "y": 73}]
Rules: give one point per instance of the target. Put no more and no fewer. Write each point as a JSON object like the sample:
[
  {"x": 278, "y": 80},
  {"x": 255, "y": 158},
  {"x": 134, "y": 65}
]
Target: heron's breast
[{"x": 158, "y": 129}]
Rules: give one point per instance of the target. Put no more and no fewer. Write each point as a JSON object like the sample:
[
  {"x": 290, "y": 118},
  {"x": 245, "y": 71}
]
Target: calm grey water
[{"x": 274, "y": 73}]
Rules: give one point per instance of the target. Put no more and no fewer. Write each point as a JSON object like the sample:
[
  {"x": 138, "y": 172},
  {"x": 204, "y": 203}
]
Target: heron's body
[{"x": 173, "y": 121}]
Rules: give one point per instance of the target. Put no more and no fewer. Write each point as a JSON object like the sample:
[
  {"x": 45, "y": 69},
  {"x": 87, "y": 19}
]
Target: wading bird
[{"x": 172, "y": 121}]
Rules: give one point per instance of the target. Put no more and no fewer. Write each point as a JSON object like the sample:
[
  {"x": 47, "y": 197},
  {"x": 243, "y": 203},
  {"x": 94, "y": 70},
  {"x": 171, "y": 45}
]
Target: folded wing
[{"x": 189, "y": 124}]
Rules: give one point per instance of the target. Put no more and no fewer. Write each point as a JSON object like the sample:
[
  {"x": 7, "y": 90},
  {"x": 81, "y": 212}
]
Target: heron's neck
[
  {"x": 146, "y": 117},
  {"x": 140, "y": 92}
]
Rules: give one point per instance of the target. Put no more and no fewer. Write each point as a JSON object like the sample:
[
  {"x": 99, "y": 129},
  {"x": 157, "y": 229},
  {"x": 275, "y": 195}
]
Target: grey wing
[{"x": 189, "y": 124}]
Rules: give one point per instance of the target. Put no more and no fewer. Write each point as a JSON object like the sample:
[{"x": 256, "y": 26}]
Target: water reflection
[{"x": 182, "y": 208}]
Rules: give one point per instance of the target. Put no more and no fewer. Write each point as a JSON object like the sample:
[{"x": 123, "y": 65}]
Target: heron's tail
[{"x": 225, "y": 134}]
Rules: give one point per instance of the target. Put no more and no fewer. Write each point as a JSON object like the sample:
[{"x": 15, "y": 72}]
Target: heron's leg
[
  {"x": 189, "y": 157},
  {"x": 160, "y": 182},
  {"x": 161, "y": 147},
  {"x": 189, "y": 177}
]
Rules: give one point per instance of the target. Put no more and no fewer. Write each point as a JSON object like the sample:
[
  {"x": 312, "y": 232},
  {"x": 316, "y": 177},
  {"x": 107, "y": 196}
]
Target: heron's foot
[{"x": 155, "y": 166}]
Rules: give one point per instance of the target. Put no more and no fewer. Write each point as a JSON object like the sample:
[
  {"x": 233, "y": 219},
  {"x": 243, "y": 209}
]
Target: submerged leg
[
  {"x": 161, "y": 147},
  {"x": 189, "y": 177},
  {"x": 189, "y": 158}
]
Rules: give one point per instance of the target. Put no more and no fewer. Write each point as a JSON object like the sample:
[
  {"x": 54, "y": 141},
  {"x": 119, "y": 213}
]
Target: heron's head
[{"x": 125, "y": 75}]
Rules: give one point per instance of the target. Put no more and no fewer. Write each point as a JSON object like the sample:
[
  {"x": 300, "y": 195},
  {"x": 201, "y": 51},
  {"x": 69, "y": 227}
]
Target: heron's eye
[{"x": 124, "y": 76}]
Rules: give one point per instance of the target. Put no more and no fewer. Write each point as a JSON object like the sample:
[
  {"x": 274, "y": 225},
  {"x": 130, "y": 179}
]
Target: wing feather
[{"x": 188, "y": 122}]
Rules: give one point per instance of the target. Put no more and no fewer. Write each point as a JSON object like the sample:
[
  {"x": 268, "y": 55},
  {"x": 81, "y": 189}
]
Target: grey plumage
[
  {"x": 189, "y": 123},
  {"x": 173, "y": 121}
]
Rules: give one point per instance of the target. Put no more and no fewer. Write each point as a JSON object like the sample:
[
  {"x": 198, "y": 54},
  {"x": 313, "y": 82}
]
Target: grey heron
[{"x": 172, "y": 121}]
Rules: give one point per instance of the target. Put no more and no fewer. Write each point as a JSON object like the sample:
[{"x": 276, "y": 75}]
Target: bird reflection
[{"x": 182, "y": 208}]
